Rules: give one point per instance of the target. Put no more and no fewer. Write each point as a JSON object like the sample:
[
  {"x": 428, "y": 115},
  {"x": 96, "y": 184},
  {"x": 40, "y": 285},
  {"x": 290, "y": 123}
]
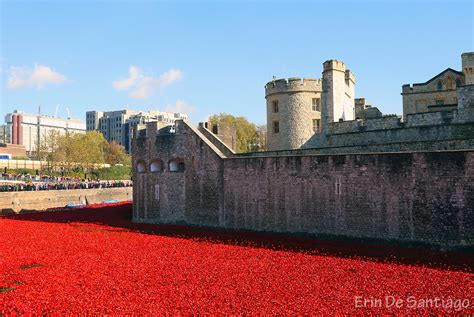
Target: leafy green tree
[
  {"x": 248, "y": 137},
  {"x": 90, "y": 148},
  {"x": 114, "y": 154},
  {"x": 85, "y": 151},
  {"x": 63, "y": 153},
  {"x": 47, "y": 146}
]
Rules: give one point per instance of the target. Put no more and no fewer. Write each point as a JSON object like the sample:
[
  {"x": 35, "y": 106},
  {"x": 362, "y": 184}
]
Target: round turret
[{"x": 293, "y": 111}]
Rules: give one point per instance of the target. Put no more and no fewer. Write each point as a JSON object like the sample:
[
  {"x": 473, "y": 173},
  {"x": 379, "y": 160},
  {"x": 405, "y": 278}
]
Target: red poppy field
[{"x": 96, "y": 260}]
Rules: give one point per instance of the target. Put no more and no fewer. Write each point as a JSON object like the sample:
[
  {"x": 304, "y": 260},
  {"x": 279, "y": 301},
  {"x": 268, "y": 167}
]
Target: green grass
[{"x": 113, "y": 172}]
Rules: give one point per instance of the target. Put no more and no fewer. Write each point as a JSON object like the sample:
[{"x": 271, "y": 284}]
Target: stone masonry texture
[{"x": 415, "y": 197}]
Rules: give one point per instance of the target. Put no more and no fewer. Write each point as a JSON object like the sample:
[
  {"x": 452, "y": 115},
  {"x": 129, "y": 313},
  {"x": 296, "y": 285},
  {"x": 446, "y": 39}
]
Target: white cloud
[
  {"x": 124, "y": 84},
  {"x": 170, "y": 77},
  {"x": 142, "y": 86},
  {"x": 181, "y": 107},
  {"x": 38, "y": 77}
]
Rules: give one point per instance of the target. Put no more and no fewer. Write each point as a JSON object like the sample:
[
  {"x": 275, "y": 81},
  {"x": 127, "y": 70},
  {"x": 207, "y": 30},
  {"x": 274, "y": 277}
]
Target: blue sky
[{"x": 208, "y": 57}]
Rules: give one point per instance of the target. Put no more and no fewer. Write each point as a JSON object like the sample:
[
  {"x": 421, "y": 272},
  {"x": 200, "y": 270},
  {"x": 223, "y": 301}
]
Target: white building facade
[
  {"x": 117, "y": 126},
  {"x": 30, "y": 130}
]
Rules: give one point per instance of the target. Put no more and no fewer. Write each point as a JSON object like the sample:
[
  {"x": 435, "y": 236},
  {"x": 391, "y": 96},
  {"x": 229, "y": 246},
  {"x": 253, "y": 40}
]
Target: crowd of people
[{"x": 26, "y": 182}]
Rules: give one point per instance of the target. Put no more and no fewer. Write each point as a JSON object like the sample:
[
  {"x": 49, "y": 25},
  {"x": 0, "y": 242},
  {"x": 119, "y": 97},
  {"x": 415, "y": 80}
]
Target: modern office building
[
  {"x": 30, "y": 130},
  {"x": 116, "y": 126}
]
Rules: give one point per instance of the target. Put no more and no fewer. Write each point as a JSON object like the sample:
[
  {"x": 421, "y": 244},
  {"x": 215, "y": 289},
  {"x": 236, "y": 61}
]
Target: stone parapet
[{"x": 293, "y": 85}]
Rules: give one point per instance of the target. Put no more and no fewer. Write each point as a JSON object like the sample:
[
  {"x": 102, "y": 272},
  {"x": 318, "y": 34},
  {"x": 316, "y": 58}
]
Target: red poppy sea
[{"x": 95, "y": 260}]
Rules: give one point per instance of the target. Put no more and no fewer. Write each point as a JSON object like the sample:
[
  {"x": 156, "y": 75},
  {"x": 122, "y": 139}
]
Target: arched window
[
  {"x": 141, "y": 167},
  {"x": 176, "y": 165},
  {"x": 440, "y": 85},
  {"x": 450, "y": 83},
  {"x": 458, "y": 82},
  {"x": 156, "y": 166}
]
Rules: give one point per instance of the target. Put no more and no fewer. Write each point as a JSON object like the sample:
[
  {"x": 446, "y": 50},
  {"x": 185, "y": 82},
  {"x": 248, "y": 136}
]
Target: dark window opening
[
  {"x": 177, "y": 165},
  {"x": 275, "y": 106},
  {"x": 156, "y": 166},
  {"x": 141, "y": 167},
  {"x": 276, "y": 127},
  {"x": 440, "y": 85}
]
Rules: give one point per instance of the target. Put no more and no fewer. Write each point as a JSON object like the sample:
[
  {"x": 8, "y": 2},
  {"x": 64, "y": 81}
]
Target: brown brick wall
[{"x": 13, "y": 149}]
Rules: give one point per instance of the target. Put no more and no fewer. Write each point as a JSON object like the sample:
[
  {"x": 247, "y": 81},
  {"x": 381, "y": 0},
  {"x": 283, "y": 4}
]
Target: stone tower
[
  {"x": 338, "y": 93},
  {"x": 293, "y": 112},
  {"x": 468, "y": 67},
  {"x": 465, "y": 94}
]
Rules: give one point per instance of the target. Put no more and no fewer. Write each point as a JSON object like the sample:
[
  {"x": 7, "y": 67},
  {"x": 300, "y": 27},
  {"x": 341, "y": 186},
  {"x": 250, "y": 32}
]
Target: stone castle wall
[
  {"x": 466, "y": 97},
  {"x": 175, "y": 197},
  {"x": 41, "y": 200},
  {"x": 216, "y": 141},
  {"x": 442, "y": 130},
  {"x": 424, "y": 197}
]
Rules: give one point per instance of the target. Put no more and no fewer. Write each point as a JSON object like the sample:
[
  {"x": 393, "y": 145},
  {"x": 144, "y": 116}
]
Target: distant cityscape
[
  {"x": 295, "y": 114},
  {"x": 28, "y": 130}
]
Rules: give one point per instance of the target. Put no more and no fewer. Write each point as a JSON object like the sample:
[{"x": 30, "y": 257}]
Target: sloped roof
[{"x": 439, "y": 75}]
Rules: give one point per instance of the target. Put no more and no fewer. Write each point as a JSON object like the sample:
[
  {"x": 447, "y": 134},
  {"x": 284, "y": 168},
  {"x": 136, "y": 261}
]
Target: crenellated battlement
[
  {"x": 334, "y": 64},
  {"x": 350, "y": 76},
  {"x": 153, "y": 129},
  {"x": 293, "y": 84},
  {"x": 407, "y": 88},
  {"x": 417, "y": 88},
  {"x": 467, "y": 57}
]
